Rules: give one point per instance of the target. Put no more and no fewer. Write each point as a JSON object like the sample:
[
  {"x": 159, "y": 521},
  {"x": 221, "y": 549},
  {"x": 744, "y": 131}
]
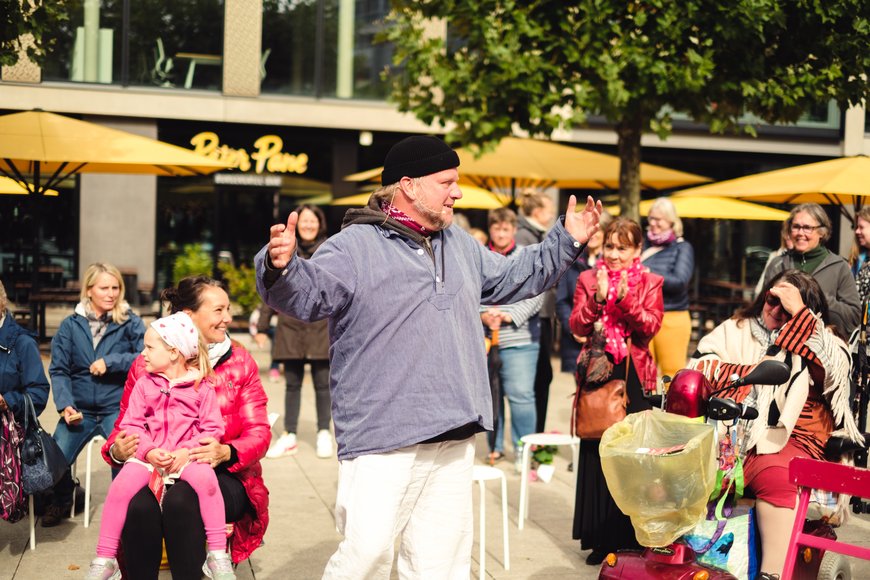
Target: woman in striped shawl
[{"x": 787, "y": 321}]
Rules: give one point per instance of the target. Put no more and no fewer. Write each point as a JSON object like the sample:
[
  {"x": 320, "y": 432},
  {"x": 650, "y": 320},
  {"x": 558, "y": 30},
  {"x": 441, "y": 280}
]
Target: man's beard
[{"x": 437, "y": 219}]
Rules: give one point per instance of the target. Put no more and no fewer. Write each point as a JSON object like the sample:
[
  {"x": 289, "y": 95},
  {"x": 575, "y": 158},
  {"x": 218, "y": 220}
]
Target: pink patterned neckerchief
[
  {"x": 615, "y": 329},
  {"x": 403, "y": 218},
  {"x": 662, "y": 239}
]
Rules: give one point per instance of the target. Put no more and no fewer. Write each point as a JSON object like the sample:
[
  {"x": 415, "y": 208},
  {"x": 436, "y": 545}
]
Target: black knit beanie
[{"x": 417, "y": 156}]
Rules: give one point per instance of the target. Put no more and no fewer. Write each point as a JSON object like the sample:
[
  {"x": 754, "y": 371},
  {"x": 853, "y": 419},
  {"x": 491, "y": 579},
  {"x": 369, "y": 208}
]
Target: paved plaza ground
[{"x": 301, "y": 535}]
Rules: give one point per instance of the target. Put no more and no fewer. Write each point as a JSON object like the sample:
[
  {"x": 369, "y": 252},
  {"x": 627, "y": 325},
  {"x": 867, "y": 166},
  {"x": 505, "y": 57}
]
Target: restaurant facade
[{"x": 290, "y": 94}]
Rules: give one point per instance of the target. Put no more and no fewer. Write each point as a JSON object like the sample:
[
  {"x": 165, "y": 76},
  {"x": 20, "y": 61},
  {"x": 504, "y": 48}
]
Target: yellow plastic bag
[{"x": 660, "y": 469}]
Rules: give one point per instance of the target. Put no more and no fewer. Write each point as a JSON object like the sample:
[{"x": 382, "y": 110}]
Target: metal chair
[
  {"x": 811, "y": 474},
  {"x": 263, "y": 60},
  {"x": 160, "y": 74}
]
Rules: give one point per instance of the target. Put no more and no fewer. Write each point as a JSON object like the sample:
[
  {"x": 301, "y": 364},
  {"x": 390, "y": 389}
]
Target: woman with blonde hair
[
  {"x": 667, "y": 254},
  {"x": 90, "y": 356}
]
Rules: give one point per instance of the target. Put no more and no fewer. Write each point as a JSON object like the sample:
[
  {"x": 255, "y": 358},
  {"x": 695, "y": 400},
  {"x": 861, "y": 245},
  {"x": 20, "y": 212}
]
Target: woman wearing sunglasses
[
  {"x": 787, "y": 321},
  {"x": 809, "y": 228}
]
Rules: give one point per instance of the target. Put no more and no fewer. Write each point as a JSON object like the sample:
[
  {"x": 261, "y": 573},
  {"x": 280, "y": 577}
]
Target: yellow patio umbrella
[
  {"x": 43, "y": 143},
  {"x": 721, "y": 208},
  {"x": 519, "y": 163},
  {"x": 472, "y": 198},
  {"x": 49, "y": 148},
  {"x": 841, "y": 181},
  {"x": 12, "y": 187}
]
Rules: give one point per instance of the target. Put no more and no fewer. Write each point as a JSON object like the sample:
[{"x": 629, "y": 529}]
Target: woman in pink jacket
[
  {"x": 235, "y": 456},
  {"x": 170, "y": 409}
]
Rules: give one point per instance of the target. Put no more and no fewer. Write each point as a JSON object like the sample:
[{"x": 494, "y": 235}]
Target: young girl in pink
[{"x": 170, "y": 408}]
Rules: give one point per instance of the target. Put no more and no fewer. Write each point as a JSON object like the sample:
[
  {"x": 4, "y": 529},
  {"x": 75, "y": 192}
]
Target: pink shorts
[{"x": 767, "y": 475}]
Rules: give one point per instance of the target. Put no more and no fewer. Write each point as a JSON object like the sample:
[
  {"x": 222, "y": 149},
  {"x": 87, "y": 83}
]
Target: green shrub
[
  {"x": 192, "y": 261},
  {"x": 242, "y": 286}
]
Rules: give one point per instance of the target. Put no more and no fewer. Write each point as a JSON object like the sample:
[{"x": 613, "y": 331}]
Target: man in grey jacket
[{"x": 408, "y": 377}]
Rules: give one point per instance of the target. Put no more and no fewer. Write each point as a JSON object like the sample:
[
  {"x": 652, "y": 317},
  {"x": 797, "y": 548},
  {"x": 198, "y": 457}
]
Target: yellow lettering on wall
[
  {"x": 208, "y": 144},
  {"x": 267, "y": 146},
  {"x": 268, "y": 155}
]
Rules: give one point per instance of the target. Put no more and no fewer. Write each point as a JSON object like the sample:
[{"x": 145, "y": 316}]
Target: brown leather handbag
[{"x": 595, "y": 408}]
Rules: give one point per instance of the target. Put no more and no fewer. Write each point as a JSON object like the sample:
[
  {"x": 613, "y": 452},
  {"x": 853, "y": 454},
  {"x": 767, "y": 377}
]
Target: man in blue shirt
[{"x": 408, "y": 377}]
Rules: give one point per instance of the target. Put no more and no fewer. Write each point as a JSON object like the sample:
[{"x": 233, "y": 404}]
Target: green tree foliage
[
  {"x": 17, "y": 19},
  {"x": 543, "y": 65}
]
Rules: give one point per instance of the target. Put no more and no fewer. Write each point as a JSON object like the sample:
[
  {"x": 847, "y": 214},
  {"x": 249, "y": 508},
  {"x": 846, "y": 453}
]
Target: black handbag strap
[{"x": 29, "y": 413}]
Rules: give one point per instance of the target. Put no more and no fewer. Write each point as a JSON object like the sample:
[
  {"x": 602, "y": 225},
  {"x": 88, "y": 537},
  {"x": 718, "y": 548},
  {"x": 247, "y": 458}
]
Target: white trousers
[{"x": 421, "y": 493}]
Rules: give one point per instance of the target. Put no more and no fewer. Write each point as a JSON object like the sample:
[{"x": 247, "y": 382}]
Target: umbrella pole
[{"x": 35, "y": 210}]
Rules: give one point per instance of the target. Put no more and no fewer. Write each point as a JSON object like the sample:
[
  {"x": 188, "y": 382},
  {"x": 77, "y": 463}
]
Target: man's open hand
[{"x": 581, "y": 225}]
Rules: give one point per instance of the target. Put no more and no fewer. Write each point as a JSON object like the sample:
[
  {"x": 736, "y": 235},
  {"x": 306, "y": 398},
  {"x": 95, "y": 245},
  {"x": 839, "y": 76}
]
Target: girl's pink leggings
[{"x": 134, "y": 476}]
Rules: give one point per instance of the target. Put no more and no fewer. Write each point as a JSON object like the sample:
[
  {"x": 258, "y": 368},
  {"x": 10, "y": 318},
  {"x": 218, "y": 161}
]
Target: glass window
[
  {"x": 369, "y": 58},
  {"x": 86, "y": 47},
  {"x": 325, "y": 48},
  {"x": 57, "y": 219},
  {"x": 290, "y": 37},
  {"x": 177, "y": 44},
  {"x": 168, "y": 44}
]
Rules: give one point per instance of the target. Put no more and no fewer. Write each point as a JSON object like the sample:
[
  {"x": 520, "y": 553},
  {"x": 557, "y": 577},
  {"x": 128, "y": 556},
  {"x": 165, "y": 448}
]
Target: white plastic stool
[
  {"x": 32, "y": 523},
  {"x": 542, "y": 439},
  {"x": 482, "y": 474},
  {"x": 97, "y": 440}
]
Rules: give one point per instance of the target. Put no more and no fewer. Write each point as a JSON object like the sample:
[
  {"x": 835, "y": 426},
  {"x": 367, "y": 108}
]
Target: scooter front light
[
  {"x": 808, "y": 555},
  {"x": 702, "y": 575},
  {"x": 610, "y": 559}
]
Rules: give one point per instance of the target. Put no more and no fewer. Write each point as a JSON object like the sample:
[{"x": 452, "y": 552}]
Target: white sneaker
[
  {"x": 218, "y": 566},
  {"x": 324, "y": 444},
  {"x": 285, "y": 445},
  {"x": 103, "y": 569}
]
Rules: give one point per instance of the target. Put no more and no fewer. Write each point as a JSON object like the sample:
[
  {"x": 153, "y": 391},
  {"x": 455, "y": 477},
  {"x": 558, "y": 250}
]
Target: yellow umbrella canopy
[
  {"x": 12, "y": 187},
  {"x": 721, "y": 208},
  {"x": 49, "y": 148},
  {"x": 531, "y": 163},
  {"x": 518, "y": 163},
  {"x": 841, "y": 181},
  {"x": 472, "y": 198},
  {"x": 42, "y": 143}
]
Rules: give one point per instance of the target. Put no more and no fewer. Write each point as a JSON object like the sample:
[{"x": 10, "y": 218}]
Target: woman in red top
[
  {"x": 236, "y": 457},
  {"x": 627, "y": 299}
]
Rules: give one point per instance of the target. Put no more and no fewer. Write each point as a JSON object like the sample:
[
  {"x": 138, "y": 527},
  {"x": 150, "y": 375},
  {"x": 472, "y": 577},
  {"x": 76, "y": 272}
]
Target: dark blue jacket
[
  {"x": 569, "y": 348},
  {"x": 675, "y": 263},
  {"x": 72, "y": 353},
  {"x": 21, "y": 368}
]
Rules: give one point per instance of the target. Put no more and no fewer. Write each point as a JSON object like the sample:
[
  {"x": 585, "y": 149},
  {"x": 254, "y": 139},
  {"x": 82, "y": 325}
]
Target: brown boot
[{"x": 54, "y": 514}]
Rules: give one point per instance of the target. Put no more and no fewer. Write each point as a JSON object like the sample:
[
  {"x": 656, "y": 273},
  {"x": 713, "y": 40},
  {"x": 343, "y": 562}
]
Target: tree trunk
[{"x": 629, "y": 131}]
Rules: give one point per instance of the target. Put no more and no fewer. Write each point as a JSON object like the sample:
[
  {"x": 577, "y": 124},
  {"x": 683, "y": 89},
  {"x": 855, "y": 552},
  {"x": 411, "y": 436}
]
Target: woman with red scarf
[{"x": 627, "y": 299}]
